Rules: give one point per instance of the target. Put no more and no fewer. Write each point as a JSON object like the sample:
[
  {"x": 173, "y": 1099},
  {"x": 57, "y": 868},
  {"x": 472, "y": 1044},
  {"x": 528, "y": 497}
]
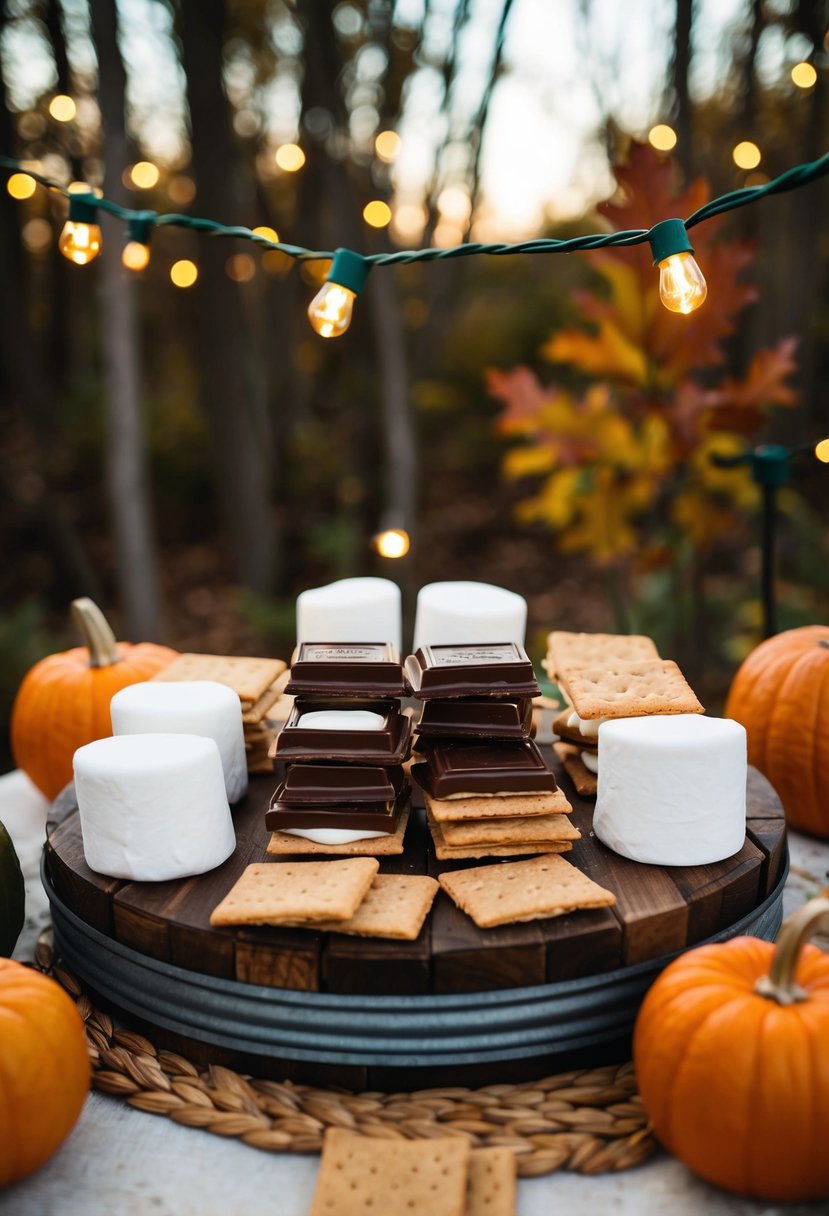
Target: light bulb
[
  {"x": 80, "y": 242},
  {"x": 331, "y": 309},
  {"x": 136, "y": 255},
  {"x": 682, "y": 286},
  {"x": 394, "y": 542}
]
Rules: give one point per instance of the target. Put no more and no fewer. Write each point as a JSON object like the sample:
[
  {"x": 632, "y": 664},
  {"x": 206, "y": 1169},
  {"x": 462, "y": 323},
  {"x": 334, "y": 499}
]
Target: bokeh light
[
  {"x": 240, "y": 267},
  {"x": 144, "y": 175},
  {"x": 662, "y": 137},
  {"x": 20, "y": 185},
  {"x": 36, "y": 235},
  {"x": 822, "y": 450},
  {"x": 181, "y": 189},
  {"x": 270, "y": 234},
  {"x": 804, "y": 75},
  {"x": 393, "y": 542},
  {"x": 387, "y": 146},
  {"x": 184, "y": 273},
  {"x": 377, "y": 213},
  {"x": 409, "y": 221},
  {"x": 136, "y": 255},
  {"x": 289, "y": 158},
  {"x": 746, "y": 155},
  {"x": 62, "y": 108}
]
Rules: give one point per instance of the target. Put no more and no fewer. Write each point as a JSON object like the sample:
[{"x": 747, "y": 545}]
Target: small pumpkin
[
  {"x": 12, "y": 895},
  {"x": 44, "y": 1069},
  {"x": 731, "y": 1051},
  {"x": 63, "y": 701},
  {"x": 781, "y": 696}
]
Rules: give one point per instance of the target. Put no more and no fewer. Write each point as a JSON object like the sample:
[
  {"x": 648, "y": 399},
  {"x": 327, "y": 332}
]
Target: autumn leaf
[
  {"x": 606, "y": 353},
  {"x": 739, "y": 405},
  {"x": 521, "y": 394}
]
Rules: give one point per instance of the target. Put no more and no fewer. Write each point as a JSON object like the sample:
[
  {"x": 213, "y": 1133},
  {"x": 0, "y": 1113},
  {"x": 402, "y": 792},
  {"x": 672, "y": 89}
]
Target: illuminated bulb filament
[
  {"x": 682, "y": 287},
  {"x": 394, "y": 542},
  {"x": 330, "y": 310},
  {"x": 80, "y": 242},
  {"x": 136, "y": 255}
]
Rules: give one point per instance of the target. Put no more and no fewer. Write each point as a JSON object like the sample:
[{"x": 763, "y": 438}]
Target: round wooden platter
[{"x": 161, "y": 932}]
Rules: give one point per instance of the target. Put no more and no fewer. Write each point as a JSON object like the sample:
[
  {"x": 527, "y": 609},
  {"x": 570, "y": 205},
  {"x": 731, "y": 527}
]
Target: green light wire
[{"x": 792, "y": 179}]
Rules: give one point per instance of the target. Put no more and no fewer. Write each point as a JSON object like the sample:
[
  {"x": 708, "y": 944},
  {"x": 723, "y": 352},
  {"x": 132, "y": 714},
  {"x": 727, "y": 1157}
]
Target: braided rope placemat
[{"x": 590, "y": 1120}]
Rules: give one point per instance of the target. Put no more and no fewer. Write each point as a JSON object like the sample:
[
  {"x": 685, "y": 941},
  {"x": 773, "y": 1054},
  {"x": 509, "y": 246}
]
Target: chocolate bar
[
  {"x": 347, "y": 669},
  {"x": 501, "y": 669},
  {"x": 482, "y": 717},
  {"x": 385, "y": 745},
  {"x": 453, "y": 769},
  {"x": 353, "y": 817},
  {"x": 339, "y": 784}
]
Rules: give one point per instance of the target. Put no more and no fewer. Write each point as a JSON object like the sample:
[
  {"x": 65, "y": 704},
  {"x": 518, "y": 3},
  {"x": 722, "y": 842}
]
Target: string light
[
  {"x": 136, "y": 252},
  {"x": 682, "y": 287},
  {"x": 392, "y": 543},
  {"x": 80, "y": 241},
  {"x": 330, "y": 310}
]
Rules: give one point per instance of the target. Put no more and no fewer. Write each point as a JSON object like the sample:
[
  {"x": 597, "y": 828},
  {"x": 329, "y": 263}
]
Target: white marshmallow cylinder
[
  {"x": 351, "y": 610},
  {"x": 153, "y": 807},
  {"x": 672, "y": 788},
  {"x": 188, "y": 707},
  {"x": 459, "y": 612}
]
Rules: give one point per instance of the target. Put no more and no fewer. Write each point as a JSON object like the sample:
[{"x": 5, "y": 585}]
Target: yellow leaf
[
  {"x": 526, "y": 461},
  {"x": 606, "y": 353}
]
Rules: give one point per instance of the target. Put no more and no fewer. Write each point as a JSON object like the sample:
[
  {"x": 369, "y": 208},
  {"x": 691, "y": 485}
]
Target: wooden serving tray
[{"x": 659, "y": 911}]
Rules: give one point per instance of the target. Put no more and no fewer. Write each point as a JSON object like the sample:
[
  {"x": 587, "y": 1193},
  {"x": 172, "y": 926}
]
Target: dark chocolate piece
[
  {"x": 357, "y": 817},
  {"x": 483, "y": 768},
  {"x": 339, "y": 784},
  {"x": 347, "y": 669},
  {"x": 481, "y": 717},
  {"x": 500, "y": 669},
  {"x": 386, "y": 746}
]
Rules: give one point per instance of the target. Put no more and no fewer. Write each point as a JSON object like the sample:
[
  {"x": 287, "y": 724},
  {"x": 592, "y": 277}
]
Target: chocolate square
[
  {"x": 476, "y": 718},
  {"x": 483, "y": 767},
  {"x": 347, "y": 669},
  {"x": 389, "y": 745},
  {"x": 499, "y": 669}
]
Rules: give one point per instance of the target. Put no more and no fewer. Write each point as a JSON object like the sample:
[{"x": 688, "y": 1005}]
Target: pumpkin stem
[
  {"x": 779, "y": 985},
  {"x": 99, "y": 638}
]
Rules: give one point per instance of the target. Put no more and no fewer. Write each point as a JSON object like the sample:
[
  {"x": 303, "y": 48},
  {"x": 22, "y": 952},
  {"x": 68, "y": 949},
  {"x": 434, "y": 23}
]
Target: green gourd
[{"x": 12, "y": 895}]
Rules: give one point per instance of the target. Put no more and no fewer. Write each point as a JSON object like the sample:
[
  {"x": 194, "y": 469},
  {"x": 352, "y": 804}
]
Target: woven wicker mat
[{"x": 590, "y": 1120}]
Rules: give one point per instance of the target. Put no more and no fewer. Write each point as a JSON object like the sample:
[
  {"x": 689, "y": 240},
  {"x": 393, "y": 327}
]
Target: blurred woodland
[{"x": 192, "y": 459}]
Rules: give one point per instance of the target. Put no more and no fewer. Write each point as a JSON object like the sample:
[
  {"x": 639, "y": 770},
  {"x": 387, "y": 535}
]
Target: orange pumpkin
[
  {"x": 63, "y": 701},
  {"x": 731, "y": 1050},
  {"x": 44, "y": 1069},
  {"x": 781, "y": 696}
]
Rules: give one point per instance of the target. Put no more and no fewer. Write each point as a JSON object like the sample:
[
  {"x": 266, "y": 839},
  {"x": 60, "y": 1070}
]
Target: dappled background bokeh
[{"x": 178, "y": 444}]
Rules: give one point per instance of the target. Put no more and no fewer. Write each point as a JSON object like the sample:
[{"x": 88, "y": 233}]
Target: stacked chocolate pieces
[
  {"x": 344, "y": 744},
  {"x": 488, "y": 790}
]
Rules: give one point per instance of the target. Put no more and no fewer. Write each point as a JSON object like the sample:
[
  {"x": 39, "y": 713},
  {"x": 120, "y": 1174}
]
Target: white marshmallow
[
  {"x": 590, "y": 761},
  {"x": 672, "y": 788},
  {"x": 459, "y": 612},
  {"x": 351, "y": 610},
  {"x": 332, "y": 835},
  {"x": 341, "y": 719},
  {"x": 188, "y": 707},
  {"x": 153, "y": 807}
]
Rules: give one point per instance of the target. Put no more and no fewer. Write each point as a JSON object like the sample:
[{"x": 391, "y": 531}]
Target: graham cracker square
[
  {"x": 273, "y": 893},
  {"x": 359, "y": 1176},
  {"x": 586, "y": 783},
  {"x": 504, "y": 806},
  {"x": 618, "y": 690},
  {"x": 491, "y": 1183},
  {"x": 282, "y": 844},
  {"x": 567, "y": 650},
  {"x": 395, "y": 907},
  {"x": 446, "y": 852},
  {"x": 523, "y": 890},
  {"x": 533, "y": 829},
  {"x": 248, "y": 677}
]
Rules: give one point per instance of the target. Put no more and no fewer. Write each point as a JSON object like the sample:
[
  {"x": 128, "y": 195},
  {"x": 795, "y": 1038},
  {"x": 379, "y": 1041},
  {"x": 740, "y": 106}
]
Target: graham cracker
[
  {"x": 395, "y": 907},
  {"x": 619, "y": 690},
  {"x": 271, "y": 893},
  {"x": 505, "y": 806},
  {"x": 446, "y": 852},
  {"x": 248, "y": 677},
  {"x": 569, "y": 650},
  {"x": 361, "y": 1176},
  {"x": 586, "y": 783},
  {"x": 259, "y": 709},
  {"x": 282, "y": 844},
  {"x": 523, "y": 890},
  {"x": 572, "y": 734},
  {"x": 531, "y": 830},
  {"x": 491, "y": 1182}
]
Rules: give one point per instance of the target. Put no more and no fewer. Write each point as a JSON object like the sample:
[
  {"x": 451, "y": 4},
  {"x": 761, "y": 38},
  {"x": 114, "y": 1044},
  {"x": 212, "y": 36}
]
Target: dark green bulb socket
[
  {"x": 140, "y": 226},
  {"x": 349, "y": 270},
  {"x": 83, "y": 208},
  {"x": 668, "y": 238}
]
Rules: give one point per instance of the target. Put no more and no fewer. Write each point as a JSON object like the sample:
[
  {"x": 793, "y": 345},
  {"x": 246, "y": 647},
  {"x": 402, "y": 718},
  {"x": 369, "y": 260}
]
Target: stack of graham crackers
[
  {"x": 604, "y": 676},
  {"x": 442, "y": 1177},
  {"x": 344, "y": 744},
  {"x": 488, "y": 790},
  {"x": 339, "y": 896},
  {"x": 260, "y": 686}
]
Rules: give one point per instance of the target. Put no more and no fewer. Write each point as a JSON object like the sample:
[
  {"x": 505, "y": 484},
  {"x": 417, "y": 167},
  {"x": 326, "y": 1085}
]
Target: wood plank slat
[
  {"x": 720, "y": 893},
  {"x": 87, "y": 893}
]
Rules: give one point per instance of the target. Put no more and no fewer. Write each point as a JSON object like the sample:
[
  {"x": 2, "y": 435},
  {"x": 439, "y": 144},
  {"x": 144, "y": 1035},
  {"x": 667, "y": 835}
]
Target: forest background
[{"x": 192, "y": 458}]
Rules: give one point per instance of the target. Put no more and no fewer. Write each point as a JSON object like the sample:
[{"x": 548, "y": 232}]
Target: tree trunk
[
  {"x": 136, "y": 560},
  {"x": 680, "y": 67},
  {"x": 242, "y": 440}
]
